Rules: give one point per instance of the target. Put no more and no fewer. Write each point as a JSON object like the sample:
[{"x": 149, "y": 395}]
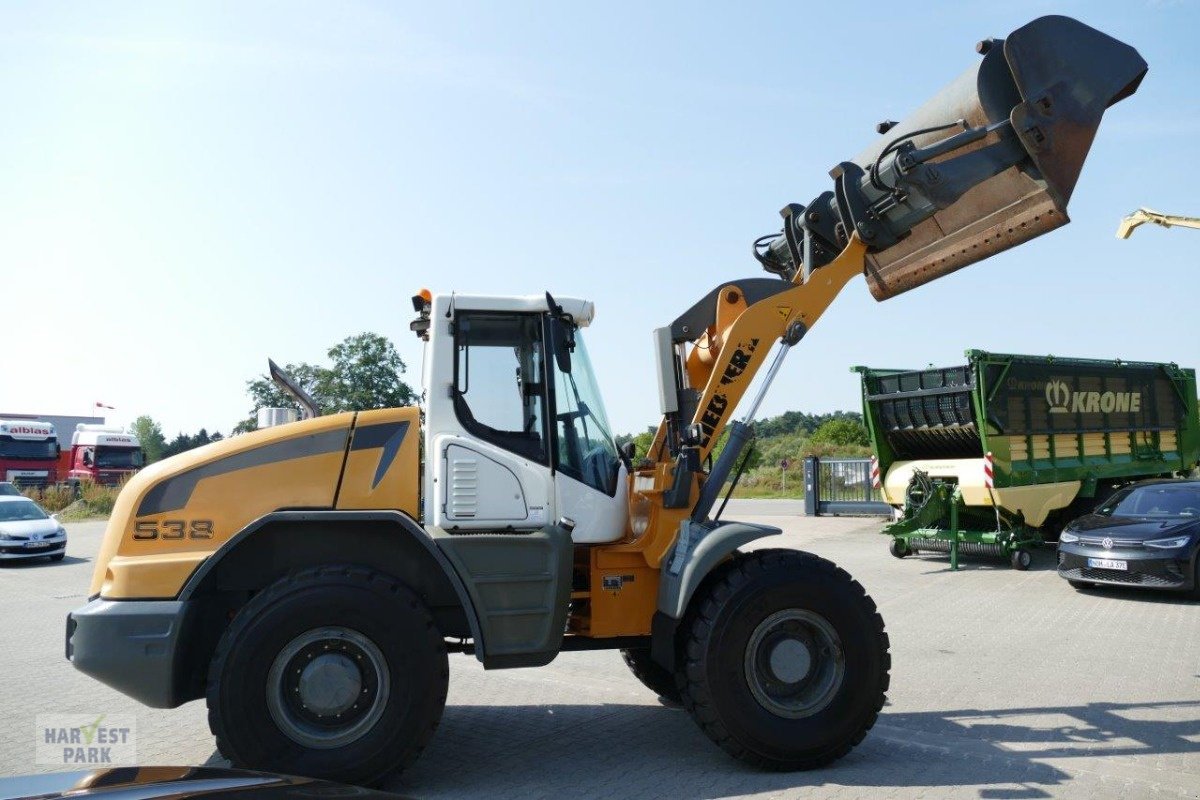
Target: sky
[{"x": 187, "y": 189}]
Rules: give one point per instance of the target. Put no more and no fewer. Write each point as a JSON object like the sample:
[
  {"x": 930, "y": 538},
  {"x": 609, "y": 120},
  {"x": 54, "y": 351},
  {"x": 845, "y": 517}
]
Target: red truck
[
  {"x": 102, "y": 454},
  {"x": 29, "y": 453}
]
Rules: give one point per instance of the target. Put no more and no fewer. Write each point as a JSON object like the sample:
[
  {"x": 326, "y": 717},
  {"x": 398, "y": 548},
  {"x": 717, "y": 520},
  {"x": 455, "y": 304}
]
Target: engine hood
[{"x": 189, "y": 504}]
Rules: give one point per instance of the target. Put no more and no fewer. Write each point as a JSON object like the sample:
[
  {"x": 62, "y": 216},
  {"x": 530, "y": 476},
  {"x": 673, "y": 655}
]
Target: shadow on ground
[{"x": 615, "y": 750}]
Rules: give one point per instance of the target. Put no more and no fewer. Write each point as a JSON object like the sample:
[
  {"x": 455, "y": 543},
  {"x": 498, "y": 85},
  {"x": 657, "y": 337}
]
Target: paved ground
[{"x": 1004, "y": 684}]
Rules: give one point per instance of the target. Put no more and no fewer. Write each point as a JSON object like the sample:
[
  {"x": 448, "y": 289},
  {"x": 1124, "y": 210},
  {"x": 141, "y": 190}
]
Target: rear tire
[
  {"x": 1021, "y": 559},
  {"x": 786, "y": 661},
  {"x": 899, "y": 549},
  {"x": 335, "y": 672},
  {"x": 652, "y": 675}
]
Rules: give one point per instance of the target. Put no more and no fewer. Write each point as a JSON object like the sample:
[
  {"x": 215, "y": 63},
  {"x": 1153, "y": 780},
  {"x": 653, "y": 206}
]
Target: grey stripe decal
[
  {"x": 174, "y": 492},
  {"x": 389, "y": 436},
  {"x": 369, "y": 436}
]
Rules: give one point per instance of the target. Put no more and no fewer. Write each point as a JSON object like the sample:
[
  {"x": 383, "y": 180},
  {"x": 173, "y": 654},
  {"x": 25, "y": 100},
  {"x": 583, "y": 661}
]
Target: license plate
[
  {"x": 1108, "y": 563},
  {"x": 34, "y": 545}
]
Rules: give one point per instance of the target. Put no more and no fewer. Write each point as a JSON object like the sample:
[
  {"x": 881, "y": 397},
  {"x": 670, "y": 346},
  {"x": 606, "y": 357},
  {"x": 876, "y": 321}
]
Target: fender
[
  {"x": 402, "y": 521},
  {"x": 699, "y": 548}
]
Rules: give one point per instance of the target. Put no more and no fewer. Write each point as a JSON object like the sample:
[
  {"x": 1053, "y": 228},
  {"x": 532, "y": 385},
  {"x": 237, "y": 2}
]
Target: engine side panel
[
  {"x": 175, "y": 513},
  {"x": 383, "y": 462}
]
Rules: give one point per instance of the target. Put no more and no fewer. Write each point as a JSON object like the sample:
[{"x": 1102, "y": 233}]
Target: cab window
[
  {"x": 584, "y": 447},
  {"x": 499, "y": 381}
]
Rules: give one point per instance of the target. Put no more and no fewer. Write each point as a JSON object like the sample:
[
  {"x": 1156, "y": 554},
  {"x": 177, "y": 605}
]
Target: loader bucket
[{"x": 1053, "y": 78}]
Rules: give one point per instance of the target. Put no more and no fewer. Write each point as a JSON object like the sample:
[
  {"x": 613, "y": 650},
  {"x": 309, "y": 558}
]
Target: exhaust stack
[{"x": 987, "y": 164}]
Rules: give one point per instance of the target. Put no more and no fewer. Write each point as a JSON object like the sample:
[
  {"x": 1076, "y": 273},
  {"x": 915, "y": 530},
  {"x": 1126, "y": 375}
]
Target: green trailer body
[{"x": 994, "y": 456}]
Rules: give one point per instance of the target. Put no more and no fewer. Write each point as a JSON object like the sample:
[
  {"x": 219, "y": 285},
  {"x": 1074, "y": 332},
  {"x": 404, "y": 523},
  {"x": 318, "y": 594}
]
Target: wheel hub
[
  {"x": 790, "y": 660},
  {"x": 327, "y": 687},
  {"x": 794, "y": 664},
  {"x": 329, "y": 684}
]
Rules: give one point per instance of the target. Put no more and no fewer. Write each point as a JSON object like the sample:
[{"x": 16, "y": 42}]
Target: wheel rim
[
  {"x": 328, "y": 687},
  {"x": 794, "y": 663}
]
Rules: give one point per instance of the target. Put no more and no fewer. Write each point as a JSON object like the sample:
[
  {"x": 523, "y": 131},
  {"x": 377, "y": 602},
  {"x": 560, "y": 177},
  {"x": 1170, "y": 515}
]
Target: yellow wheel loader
[{"x": 309, "y": 580}]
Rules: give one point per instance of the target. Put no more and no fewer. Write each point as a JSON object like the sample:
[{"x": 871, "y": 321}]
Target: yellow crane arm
[
  {"x": 1144, "y": 215},
  {"x": 726, "y": 358}
]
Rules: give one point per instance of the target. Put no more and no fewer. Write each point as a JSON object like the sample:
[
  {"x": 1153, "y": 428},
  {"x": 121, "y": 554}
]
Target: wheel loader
[{"x": 308, "y": 581}]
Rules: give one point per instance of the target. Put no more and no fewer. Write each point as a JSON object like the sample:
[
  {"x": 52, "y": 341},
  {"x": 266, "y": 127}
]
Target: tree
[
  {"x": 184, "y": 442},
  {"x": 150, "y": 434},
  {"x": 842, "y": 433},
  {"x": 364, "y": 373}
]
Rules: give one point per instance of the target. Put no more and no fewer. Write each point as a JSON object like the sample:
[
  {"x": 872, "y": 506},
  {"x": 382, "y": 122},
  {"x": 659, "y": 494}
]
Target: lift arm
[
  {"x": 1144, "y": 215},
  {"x": 987, "y": 164}
]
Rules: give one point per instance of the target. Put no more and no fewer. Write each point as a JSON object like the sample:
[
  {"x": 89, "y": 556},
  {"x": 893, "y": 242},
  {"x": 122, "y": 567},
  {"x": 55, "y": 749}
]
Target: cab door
[{"x": 491, "y": 461}]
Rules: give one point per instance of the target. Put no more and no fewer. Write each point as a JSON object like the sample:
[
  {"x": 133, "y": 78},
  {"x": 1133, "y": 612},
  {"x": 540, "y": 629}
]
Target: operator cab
[{"x": 516, "y": 436}]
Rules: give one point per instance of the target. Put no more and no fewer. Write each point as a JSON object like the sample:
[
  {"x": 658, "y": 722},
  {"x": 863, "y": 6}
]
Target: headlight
[
  {"x": 4, "y": 537},
  {"x": 1169, "y": 544},
  {"x": 1067, "y": 538},
  {"x": 61, "y": 531}
]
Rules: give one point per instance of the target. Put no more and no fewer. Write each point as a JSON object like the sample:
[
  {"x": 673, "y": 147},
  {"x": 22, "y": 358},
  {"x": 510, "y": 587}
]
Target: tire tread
[
  {"x": 735, "y": 574},
  {"x": 362, "y": 576}
]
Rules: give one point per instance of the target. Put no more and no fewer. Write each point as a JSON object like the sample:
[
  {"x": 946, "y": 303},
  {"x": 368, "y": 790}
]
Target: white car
[{"x": 26, "y": 531}]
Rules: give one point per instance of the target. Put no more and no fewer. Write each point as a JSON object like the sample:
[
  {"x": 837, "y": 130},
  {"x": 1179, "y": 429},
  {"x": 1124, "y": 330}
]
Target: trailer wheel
[
  {"x": 336, "y": 672},
  {"x": 651, "y": 674},
  {"x": 786, "y": 660},
  {"x": 899, "y": 549},
  {"x": 1021, "y": 559}
]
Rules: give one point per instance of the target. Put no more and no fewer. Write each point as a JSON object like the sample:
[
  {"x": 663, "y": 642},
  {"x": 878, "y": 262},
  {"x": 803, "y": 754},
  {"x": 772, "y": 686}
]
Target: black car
[{"x": 1146, "y": 535}]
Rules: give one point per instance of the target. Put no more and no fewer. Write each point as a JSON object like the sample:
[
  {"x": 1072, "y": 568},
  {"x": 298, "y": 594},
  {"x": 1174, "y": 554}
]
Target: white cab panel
[
  {"x": 598, "y": 517},
  {"x": 480, "y": 487}
]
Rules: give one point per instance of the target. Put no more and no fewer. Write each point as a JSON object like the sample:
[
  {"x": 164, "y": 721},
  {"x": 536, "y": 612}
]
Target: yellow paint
[
  {"x": 398, "y": 488},
  {"x": 127, "y": 567},
  {"x": 717, "y": 364}
]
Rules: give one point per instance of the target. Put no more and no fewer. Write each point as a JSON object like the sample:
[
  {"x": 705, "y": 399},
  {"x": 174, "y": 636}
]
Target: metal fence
[{"x": 841, "y": 486}]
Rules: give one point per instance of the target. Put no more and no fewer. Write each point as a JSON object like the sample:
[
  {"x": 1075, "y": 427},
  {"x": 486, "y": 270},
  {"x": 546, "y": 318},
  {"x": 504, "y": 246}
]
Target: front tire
[
  {"x": 336, "y": 672},
  {"x": 1021, "y": 559},
  {"x": 652, "y": 675},
  {"x": 786, "y": 660},
  {"x": 899, "y": 549}
]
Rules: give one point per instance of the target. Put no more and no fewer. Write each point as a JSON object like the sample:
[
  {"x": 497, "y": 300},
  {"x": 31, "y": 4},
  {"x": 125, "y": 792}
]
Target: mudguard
[
  {"x": 405, "y": 525},
  {"x": 699, "y": 548}
]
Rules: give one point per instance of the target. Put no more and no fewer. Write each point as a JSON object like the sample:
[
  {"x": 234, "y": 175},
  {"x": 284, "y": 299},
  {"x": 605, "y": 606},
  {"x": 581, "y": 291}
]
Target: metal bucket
[{"x": 1053, "y": 79}]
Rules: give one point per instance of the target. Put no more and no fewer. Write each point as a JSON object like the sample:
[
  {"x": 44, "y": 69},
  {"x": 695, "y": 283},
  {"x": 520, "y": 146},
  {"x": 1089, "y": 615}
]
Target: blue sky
[{"x": 187, "y": 189}]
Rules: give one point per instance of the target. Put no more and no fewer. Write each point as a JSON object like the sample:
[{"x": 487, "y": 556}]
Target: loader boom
[{"x": 1144, "y": 215}]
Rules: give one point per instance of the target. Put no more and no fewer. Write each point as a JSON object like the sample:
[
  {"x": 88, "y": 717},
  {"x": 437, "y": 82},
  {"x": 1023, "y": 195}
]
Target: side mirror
[
  {"x": 628, "y": 450},
  {"x": 562, "y": 335}
]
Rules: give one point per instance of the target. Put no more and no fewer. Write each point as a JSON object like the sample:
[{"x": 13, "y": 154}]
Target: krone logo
[{"x": 1058, "y": 395}]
